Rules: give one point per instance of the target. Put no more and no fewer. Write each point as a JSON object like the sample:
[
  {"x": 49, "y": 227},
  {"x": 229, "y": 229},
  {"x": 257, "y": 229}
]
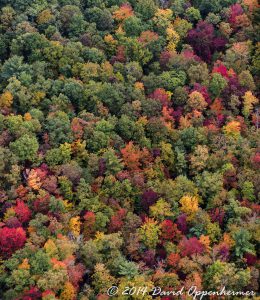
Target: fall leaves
[
  {"x": 128, "y": 146},
  {"x": 11, "y": 239},
  {"x": 124, "y": 12},
  {"x": 6, "y": 100},
  {"x": 134, "y": 157}
]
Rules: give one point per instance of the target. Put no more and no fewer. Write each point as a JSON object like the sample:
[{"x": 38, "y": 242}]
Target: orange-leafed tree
[
  {"x": 131, "y": 156},
  {"x": 125, "y": 11},
  {"x": 232, "y": 129}
]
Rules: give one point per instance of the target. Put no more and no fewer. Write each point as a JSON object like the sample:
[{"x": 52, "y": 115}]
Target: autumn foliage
[
  {"x": 129, "y": 148},
  {"x": 11, "y": 239}
]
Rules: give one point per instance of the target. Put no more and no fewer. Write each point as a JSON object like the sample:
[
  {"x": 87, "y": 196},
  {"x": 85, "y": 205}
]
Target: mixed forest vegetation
[{"x": 129, "y": 146}]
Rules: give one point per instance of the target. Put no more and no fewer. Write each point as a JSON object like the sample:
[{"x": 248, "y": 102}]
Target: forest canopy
[{"x": 129, "y": 147}]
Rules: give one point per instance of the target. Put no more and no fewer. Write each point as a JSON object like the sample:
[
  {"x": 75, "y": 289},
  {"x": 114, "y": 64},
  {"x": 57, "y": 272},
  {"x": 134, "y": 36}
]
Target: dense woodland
[{"x": 129, "y": 146}]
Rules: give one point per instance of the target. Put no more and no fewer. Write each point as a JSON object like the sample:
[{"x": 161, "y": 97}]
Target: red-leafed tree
[
  {"x": 117, "y": 220},
  {"x": 173, "y": 259},
  {"x": 217, "y": 215},
  {"x": 169, "y": 230},
  {"x": 75, "y": 273},
  {"x": 204, "y": 40},
  {"x": 32, "y": 293},
  {"x": 22, "y": 211},
  {"x": 42, "y": 171},
  {"x": 256, "y": 160},
  {"x": 11, "y": 239},
  {"x": 161, "y": 95},
  {"x": 41, "y": 204},
  {"x": 191, "y": 246},
  {"x": 221, "y": 69},
  {"x": 203, "y": 90},
  {"x": 235, "y": 11},
  {"x": 250, "y": 259}
]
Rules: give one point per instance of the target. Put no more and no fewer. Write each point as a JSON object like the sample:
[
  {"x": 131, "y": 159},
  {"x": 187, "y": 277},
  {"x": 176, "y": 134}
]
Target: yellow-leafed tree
[
  {"x": 75, "y": 225},
  {"x": 249, "y": 101},
  {"x": 68, "y": 292},
  {"x": 6, "y": 99},
  {"x": 149, "y": 233},
  {"x": 189, "y": 206}
]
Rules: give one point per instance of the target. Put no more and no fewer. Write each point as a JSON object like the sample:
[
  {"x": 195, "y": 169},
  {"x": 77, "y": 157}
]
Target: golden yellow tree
[
  {"x": 6, "y": 99},
  {"x": 232, "y": 129},
  {"x": 149, "y": 233},
  {"x": 249, "y": 101},
  {"x": 68, "y": 292},
  {"x": 173, "y": 38},
  {"x": 34, "y": 180},
  {"x": 24, "y": 265},
  {"x": 189, "y": 206},
  {"x": 162, "y": 17},
  {"x": 74, "y": 225}
]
